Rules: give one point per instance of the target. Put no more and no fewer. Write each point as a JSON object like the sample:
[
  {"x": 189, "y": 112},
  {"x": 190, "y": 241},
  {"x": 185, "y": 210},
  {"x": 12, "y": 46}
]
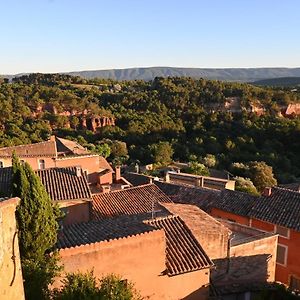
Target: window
[
  {"x": 1, "y": 164},
  {"x": 41, "y": 164},
  {"x": 295, "y": 283},
  {"x": 282, "y": 251},
  {"x": 282, "y": 231}
]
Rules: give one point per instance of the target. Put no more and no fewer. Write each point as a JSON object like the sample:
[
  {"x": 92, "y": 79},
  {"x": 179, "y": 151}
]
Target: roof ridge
[
  {"x": 38, "y": 143},
  {"x": 111, "y": 239},
  {"x": 127, "y": 189},
  {"x": 285, "y": 189}
]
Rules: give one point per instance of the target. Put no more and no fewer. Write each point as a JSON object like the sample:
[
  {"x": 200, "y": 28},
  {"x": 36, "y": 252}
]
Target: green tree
[
  {"x": 162, "y": 153},
  {"x": 261, "y": 175},
  {"x": 245, "y": 185},
  {"x": 84, "y": 286},
  {"x": 197, "y": 168},
  {"x": 209, "y": 160},
  {"x": 112, "y": 287},
  {"x": 37, "y": 225},
  {"x": 81, "y": 286}
]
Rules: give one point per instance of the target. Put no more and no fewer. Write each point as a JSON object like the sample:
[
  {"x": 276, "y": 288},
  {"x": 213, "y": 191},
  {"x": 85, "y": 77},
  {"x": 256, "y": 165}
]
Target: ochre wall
[
  {"x": 229, "y": 216},
  {"x": 33, "y": 162},
  {"x": 140, "y": 259},
  {"x": 11, "y": 282},
  {"x": 292, "y": 267}
]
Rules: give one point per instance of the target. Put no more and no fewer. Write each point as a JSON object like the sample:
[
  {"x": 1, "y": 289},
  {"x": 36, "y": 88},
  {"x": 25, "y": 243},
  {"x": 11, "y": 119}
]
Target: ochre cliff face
[{"x": 87, "y": 120}]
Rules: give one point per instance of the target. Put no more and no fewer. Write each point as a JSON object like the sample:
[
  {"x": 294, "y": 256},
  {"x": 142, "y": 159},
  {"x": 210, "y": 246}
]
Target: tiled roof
[
  {"x": 64, "y": 184},
  {"x": 183, "y": 253},
  {"x": 235, "y": 202},
  {"x": 291, "y": 186},
  {"x": 282, "y": 207},
  {"x": 201, "y": 197},
  {"x": 137, "y": 179},
  {"x": 69, "y": 147},
  {"x": 46, "y": 149},
  {"x": 103, "y": 164},
  {"x": 129, "y": 201},
  {"x": 101, "y": 230},
  {"x": 60, "y": 183},
  {"x": 5, "y": 181}
]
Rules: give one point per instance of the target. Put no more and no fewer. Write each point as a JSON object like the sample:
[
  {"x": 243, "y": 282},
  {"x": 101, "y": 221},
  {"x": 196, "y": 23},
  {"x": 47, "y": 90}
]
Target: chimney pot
[
  {"x": 267, "y": 191},
  {"x": 118, "y": 173},
  {"x": 78, "y": 171}
]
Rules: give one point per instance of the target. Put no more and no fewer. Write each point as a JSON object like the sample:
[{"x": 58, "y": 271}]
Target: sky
[{"x": 74, "y": 35}]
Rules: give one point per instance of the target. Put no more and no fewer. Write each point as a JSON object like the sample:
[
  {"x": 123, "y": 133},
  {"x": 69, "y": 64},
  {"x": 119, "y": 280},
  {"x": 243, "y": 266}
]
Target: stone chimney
[
  {"x": 117, "y": 173},
  {"x": 267, "y": 191},
  {"x": 78, "y": 171}
]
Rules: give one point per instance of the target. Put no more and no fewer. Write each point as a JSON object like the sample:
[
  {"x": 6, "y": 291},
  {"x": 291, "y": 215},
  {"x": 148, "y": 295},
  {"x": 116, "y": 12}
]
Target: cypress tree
[{"x": 37, "y": 225}]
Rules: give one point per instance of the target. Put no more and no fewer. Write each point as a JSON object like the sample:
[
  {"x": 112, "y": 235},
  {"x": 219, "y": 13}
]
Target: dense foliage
[
  {"x": 37, "y": 229},
  {"x": 84, "y": 286},
  {"x": 159, "y": 120}
]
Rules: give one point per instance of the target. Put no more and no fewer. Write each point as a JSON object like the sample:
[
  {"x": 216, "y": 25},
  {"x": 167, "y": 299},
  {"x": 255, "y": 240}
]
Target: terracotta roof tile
[
  {"x": 282, "y": 207},
  {"x": 69, "y": 147},
  {"x": 129, "y": 201},
  {"x": 201, "y": 197},
  {"x": 101, "y": 230},
  {"x": 236, "y": 202},
  {"x": 64, "y": 184},
  {"x": 60, "y": 183},
  {"x": 5, "y": 182},
  {"x": 291, "y": 186},
  {"x": 183, "y": 252},
  {"x": 46, "y": 149}
]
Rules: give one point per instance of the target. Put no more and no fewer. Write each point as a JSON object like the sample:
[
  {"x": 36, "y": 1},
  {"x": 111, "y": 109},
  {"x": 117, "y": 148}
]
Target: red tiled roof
[
  {"x": 103, "y": 164},
  {"x": 282, "y": 207},
  {"x": 69, "y": 147},
  {"x": 183, "y": 253},
  {"x": 201, "y": 197},
  {"x": 64, "y": 184},
  {"x": 101, "y": 230},
  {"x": 129, "y": 201},
  {"x": 43, "y": 149}
]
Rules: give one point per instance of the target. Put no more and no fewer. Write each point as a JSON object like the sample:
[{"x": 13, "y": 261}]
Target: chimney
[
  {"x": 78, "y": 171},
  {"x": 167, "y": 177},
  {"x": 52, "y": 138},
  {"x": 267, "y": 191},
  {"x": 118, "y": 173}
]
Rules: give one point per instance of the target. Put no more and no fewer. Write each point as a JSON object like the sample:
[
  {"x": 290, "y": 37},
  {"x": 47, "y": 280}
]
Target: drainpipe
[{"x": 228, "y": 254}]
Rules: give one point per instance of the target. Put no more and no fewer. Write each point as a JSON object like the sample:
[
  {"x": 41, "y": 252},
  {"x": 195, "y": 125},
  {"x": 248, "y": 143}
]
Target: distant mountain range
[
  {"x": 228, "y": 74},
  {"x": 281, "y": 81}
]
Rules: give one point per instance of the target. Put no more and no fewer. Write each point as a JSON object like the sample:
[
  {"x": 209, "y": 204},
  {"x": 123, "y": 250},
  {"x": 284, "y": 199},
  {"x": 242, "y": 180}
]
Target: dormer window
[{"x": 41, "y": 164}]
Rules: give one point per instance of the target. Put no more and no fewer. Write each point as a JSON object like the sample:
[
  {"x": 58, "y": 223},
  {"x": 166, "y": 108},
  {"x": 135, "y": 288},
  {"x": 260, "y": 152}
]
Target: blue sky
[{"x": 69, "y": 35}]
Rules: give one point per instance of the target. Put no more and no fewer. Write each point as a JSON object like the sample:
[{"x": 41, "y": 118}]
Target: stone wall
[
  {"x": 249, "y": 263},
  {"x": 11, "y": 281}
]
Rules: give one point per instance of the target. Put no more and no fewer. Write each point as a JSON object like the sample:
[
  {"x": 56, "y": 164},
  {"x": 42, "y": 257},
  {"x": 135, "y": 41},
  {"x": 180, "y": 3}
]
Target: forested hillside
[{"x": 179, "y": 117}]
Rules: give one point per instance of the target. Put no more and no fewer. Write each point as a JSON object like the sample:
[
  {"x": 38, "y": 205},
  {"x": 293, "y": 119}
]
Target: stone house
[
  {"x": 160, "y": 255},
  {"x": 68, "y": 187},
  {"x": 58, "y": 152},
  {"x": 276, "y": 211}
]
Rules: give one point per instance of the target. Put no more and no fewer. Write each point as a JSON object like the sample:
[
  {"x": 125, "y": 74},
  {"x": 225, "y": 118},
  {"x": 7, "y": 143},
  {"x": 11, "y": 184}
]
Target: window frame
[
  {"x": 283, "y": 236},
  {"x": 285, "y": 255},
  {"x": 41, "y": 162}
]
